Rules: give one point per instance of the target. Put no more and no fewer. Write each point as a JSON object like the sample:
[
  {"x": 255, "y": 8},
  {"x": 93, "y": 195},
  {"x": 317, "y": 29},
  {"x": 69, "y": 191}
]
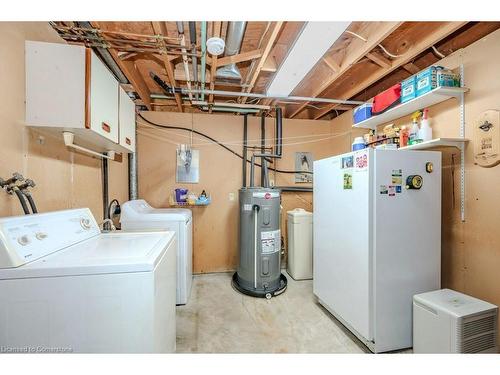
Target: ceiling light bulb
[{"x": 215, "y": 46}]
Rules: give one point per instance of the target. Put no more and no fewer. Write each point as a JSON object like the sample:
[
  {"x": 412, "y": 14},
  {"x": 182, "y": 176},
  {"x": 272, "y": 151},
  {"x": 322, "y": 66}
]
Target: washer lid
[
  {"x": 140, "y": 210},
  {"x": 103, "y": 254}
]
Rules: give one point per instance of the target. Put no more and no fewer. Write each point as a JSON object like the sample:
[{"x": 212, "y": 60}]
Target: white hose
[{"x": 380, "y": 45}]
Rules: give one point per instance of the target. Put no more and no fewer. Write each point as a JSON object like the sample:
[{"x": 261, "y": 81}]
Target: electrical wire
[
  {"x": 436, "y": 51},
  {"x": 394, "y": 56},
  {"x": 388, "y": 53},
  {"x": 217, "y": 142}
]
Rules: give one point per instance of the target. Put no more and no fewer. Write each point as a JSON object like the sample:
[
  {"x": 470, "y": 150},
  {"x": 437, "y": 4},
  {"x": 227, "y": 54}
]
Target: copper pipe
[
  {"x": 97, "y": 31},
  {"x": 141, "y": 42}
]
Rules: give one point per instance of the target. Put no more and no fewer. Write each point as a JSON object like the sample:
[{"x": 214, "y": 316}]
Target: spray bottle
[
  {"x": 414, "y": 137},
  {"x": 425, "y": 133}
]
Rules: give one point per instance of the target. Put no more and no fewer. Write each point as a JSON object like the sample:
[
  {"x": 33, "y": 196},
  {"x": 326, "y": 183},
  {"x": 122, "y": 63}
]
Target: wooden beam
[
  {"x": 411, "y": 68},
  {"x": 245, "y": 56},
  {"x": 213, "y": 68},
  {"x": 270, "y": 65},
  {"x": 135, "y": 78},
  {"x": 380, "y": 60},
  {"x": 180, "y": 74},
  {"x": 357, "y": 49},
  {"x": 413, "y": 51},
  {"x": 146, "y": 56},
  {"x": 268, "y": 45},
  {"x": 332, "y": 64},
  {"x": 161, "y": 29},
  {"x": 132, "y": 73}
]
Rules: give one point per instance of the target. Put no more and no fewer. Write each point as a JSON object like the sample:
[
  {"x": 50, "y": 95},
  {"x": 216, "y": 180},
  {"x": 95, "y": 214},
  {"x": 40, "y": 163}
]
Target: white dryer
[
  {"x": 67, "y": 287},
  {"x": 139, "y": 215}
]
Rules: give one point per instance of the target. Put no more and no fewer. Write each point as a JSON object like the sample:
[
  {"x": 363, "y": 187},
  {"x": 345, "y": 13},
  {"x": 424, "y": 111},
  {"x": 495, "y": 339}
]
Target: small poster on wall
[
  {"x": 188, "y": 165},
  {"x": 304, "y": 162}
]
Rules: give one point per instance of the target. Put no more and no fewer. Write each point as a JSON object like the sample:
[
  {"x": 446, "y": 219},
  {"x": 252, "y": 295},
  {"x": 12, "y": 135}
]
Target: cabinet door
[
  {"x": 127, "y": 121},
  {"x": 103, "y": 99},
  {"x": 55, "y": 85}
]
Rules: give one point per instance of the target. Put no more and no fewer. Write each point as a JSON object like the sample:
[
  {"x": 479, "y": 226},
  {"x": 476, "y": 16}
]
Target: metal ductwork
[
  {"x": 234, "y": 38},
  {"x": 106, "y": 56}
]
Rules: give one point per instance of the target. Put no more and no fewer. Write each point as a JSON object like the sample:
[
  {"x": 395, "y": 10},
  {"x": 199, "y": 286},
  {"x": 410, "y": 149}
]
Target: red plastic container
[{"x": 387, "y": 99}]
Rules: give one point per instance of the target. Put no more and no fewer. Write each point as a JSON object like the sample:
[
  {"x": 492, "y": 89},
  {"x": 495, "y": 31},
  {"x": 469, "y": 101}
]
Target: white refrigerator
[{"x": 377, "y": 240}]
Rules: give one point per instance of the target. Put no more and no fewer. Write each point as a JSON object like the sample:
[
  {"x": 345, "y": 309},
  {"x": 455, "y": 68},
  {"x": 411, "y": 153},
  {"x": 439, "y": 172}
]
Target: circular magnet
[{"x": 429, "y": 167}]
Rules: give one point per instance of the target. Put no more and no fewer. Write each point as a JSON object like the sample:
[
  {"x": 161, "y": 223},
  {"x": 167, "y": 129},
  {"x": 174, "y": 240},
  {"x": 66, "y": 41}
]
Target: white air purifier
[{"x": 445, "y": 321}]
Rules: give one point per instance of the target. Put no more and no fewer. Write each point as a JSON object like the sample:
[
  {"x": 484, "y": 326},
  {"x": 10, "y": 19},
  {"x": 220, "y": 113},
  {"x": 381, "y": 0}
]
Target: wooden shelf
[
  {"x": 435, "y": 143},
  {"x": 438, "y": 95}
]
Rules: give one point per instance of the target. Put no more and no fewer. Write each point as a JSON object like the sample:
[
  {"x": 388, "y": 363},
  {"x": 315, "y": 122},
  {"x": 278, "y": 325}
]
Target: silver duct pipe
[
  {"x": 180, "y": 27},
  {"x": 132, "y": 176},
  {"x": 234, "y": 38}
]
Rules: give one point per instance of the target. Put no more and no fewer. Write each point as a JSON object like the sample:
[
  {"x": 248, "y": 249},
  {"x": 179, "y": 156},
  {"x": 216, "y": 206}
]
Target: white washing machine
[
  {"x": 139, "y": 215},
  {"x": 67, "y": 287}
]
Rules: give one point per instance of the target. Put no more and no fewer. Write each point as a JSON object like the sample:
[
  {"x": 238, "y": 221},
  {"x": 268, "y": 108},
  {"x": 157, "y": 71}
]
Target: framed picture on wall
[{"x": 304, "y": 162}]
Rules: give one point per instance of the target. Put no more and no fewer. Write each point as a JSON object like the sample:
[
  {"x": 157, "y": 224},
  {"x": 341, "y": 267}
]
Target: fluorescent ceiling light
[{"x": 312, "y": 43}]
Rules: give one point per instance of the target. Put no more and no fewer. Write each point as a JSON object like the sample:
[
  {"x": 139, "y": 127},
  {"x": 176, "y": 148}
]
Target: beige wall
[
  {"x": 64, "y": 179},
  {"x": 216, "y": 226},
  {"x": 470, "y": 250}
]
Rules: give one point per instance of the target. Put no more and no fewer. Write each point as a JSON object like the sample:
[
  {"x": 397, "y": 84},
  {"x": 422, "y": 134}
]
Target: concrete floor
[{"x": 218, "y": 319}]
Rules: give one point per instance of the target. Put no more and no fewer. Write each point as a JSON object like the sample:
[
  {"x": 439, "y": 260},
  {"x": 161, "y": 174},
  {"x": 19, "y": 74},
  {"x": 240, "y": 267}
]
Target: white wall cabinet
[
  {"x": 103, "y": 99},
  {"x": 68, "y": 88},
  {"x": 126, "y": 120}
]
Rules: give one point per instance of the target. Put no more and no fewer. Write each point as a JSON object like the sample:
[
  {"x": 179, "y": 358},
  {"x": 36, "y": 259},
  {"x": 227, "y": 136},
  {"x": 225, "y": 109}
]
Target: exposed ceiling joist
[
  {"x": 411, "y": 68},
  {"x": 374, "y": 33},
  {"x": 273, "y": 32},
  {"x": 137, "y": 51},
  {"x": 240, "y": 57},
  {"x": 161, "y": 29},
  {"x": 446, "y": 29},
  {"x": 270, "y": 65},
  {"x": 332, "y": 64},
  {"x": 380, "y": 60},
  {"x": 134, "y": 76}
]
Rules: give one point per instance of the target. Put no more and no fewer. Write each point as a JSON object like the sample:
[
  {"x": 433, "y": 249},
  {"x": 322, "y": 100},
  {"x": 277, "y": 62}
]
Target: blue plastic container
[
  {"x": 426, "y": 80},
  {"x": 362, "y": 112},
  {"x": 408, "y": 89}
]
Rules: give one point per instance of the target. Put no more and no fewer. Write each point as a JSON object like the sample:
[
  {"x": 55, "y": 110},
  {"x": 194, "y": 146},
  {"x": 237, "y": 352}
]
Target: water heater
[{"x": 259, "y": 269}]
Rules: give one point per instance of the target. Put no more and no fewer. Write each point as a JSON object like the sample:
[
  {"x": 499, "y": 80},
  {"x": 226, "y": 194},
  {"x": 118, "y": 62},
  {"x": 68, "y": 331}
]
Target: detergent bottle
[{"x": 425, "y": 133}]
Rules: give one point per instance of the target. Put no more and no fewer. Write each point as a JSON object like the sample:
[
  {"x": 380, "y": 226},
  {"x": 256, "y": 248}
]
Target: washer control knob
[
  {"x": 85, "y": 223},
  {"x": 41, "y": 236},
  {"x": 24, "y": 240}
]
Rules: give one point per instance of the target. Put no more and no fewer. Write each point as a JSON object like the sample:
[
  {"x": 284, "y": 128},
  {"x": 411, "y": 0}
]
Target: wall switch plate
[{"x": 231, "y": 197}]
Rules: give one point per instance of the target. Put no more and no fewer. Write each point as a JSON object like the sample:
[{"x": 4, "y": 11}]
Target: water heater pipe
[
  {"x": 279, "y": 132},
  {"x": 262, "y": 146},
  {"x": 245, "y": 147},
  {"x": 264, "y": 165}
]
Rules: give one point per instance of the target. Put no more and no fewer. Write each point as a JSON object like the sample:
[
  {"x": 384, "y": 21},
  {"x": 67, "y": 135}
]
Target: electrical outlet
[{"x": 231, "y": 197}]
